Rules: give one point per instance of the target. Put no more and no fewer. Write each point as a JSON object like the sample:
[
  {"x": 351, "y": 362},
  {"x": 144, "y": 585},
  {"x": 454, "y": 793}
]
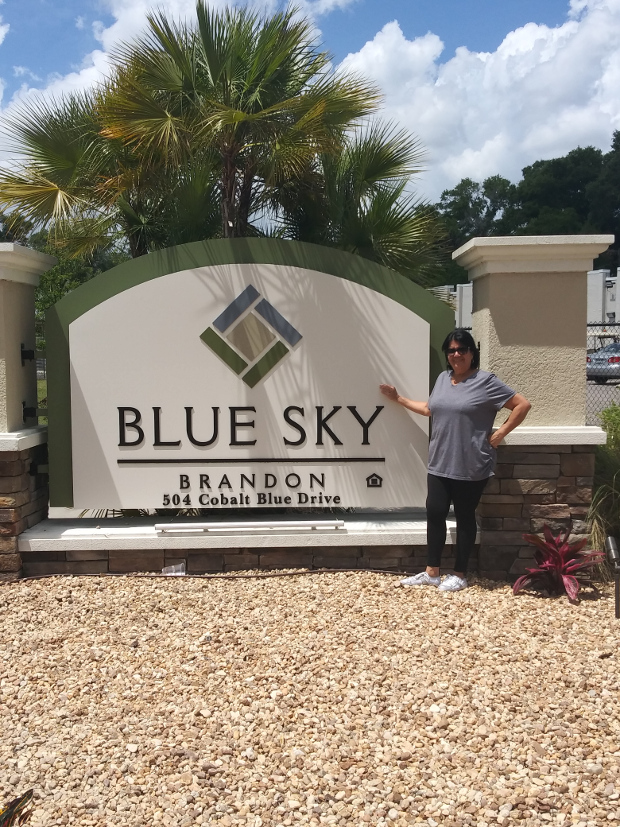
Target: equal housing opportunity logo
[{"x": 251, "y": 336}]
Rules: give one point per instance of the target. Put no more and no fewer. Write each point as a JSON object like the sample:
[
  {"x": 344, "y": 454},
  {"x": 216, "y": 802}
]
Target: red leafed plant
[
  {"x": 16, "y": 812},
  {"x": 559, "y": 563}
]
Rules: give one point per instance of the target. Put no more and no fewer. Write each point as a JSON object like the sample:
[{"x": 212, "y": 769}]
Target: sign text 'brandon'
[{"x": 203, "y": 430}]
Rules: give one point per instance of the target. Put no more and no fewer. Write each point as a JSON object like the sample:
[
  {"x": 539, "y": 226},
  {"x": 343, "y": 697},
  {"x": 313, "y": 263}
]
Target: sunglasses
[{"x": 453, "y": 351}]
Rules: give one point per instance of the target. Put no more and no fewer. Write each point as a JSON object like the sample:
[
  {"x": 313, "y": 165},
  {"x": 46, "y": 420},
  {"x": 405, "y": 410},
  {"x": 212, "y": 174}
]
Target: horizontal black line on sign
[{"x": 273, "y": 460}]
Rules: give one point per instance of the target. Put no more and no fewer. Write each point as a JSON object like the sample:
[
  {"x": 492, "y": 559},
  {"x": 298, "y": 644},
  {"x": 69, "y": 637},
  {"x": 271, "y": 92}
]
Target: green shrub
[
  {"x": 610, "y": 422},
  {"x": 604, "y": 515}
]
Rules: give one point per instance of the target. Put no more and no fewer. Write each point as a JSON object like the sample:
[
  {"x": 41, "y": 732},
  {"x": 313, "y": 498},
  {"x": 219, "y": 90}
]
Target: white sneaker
[
  {"x": 453, "y": 583},
  {"x": 421, "y": 579}
]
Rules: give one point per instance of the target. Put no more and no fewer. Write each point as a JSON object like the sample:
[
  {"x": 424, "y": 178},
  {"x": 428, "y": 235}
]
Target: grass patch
[{"x": 42, "y": 399}]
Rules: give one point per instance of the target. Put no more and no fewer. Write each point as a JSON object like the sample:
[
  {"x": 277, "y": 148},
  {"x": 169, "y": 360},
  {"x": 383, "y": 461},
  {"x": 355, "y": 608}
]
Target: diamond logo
[{"x": 251, "y": 336}]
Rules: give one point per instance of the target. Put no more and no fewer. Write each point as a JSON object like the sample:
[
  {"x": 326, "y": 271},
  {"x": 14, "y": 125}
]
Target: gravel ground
[{"x": 324, "y": 699}]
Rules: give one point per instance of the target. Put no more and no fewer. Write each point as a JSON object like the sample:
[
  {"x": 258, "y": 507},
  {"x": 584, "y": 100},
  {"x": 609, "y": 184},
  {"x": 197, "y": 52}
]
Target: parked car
[{"x": 604, "y": 364}]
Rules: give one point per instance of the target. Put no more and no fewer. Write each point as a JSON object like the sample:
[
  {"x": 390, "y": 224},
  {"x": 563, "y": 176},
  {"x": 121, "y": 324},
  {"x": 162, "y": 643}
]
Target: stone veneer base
[
  {"x": 533, "y": 485},
  {"x": 407, "y": 559},
  {"x": 23, "y": 502}
]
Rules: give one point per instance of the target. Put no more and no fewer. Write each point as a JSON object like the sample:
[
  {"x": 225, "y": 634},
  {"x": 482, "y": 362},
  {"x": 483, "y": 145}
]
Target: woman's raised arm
[{"x": 420, "y": 408}]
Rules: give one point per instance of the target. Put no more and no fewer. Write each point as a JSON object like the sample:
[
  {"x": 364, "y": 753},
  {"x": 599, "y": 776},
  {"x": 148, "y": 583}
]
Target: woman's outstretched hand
[
  {"x": 389, "y": 391},
  {"x": 417, "y": 407}
]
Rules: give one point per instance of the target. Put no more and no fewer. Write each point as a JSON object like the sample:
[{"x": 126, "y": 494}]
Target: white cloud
[
  {"x": 319, "y": 7},
  {"x": 24, "y": 71},
  {"x": 98, "y": 30},
  {"x": 94, "y": 68},
  {"x": 80, "y": 22},
  {"x": 129, "y": 18},
  {"x": 4, "y": 30},
  {"x": 540, "y": 94}
]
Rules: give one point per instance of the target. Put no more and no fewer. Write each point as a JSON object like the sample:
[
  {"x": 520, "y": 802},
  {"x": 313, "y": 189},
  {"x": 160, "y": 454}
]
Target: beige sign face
[{"x": 247, "y": 385}]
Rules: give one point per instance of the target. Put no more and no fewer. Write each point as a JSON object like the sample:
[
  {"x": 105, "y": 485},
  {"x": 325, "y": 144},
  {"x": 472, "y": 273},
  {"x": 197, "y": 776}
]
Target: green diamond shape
[
  {"x": 224, "y": 351},
  {"x": 264, "y": 365}
]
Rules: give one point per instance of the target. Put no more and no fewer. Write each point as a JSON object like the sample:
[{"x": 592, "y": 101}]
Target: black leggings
[{"x": 465, "y": 495}]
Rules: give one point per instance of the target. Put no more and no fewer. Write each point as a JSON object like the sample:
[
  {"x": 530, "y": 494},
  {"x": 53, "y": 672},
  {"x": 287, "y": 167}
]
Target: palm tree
[
  {"x": 94, "y": 191},
  {"x": 359, "y": 200},
  {"x": 254, "y": 89},
  {"x": 232, "y": 126}
]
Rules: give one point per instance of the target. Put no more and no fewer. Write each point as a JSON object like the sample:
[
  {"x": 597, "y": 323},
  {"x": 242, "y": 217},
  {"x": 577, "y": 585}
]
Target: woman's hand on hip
[
  {"x": 495, "y": 439},
  {"x": 518, "y": 407}
]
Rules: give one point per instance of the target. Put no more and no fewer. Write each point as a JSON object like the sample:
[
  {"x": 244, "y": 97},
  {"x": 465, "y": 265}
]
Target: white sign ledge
[
  {"x": 100, "y": 535},
  {"x": 21, "y": 440},
  {"x": 556, "y": 435}
]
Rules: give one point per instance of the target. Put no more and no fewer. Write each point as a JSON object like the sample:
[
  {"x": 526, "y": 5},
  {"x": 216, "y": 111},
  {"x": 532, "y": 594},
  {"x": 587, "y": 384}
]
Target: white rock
[{"x": 363, "y": 727}]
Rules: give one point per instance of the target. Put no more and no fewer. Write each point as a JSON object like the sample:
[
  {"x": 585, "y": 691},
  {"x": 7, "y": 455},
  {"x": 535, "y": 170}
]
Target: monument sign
[{"x": 241, "y": 374}]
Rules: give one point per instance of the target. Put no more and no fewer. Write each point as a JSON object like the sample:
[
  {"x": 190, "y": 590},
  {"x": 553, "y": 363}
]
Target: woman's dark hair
[{"x": 462, "y": 337}]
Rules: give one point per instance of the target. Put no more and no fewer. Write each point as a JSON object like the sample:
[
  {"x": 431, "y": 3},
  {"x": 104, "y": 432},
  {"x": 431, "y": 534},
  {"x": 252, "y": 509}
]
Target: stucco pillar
[
  {"x": 530, "y": 316},
  {"x": 20, "y": 269},
  {"x": 23, "y": 489}
]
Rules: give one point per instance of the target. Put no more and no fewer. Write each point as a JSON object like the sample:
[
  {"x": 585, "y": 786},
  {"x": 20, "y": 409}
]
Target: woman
[{"x": 461, "y": 458}]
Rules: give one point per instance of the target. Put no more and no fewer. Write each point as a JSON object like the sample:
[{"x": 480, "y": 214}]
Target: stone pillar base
[
  {"x": 23, "y": 503},
  {"x": 406, "y": 559},
  {"x": 533, "y": 485}
]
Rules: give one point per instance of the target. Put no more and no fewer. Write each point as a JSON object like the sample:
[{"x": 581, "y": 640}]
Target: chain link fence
[{"x": 602, "y": 369}]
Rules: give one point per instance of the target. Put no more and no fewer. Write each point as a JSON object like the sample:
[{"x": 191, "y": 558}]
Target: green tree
[
  {"x": 553, "y": 195},
  {"x": 358, "y": 200},
  {"x": 604, "y": 203},
  {"x": 14, "y": 228},
  {"x": 232, "y": 126},
  {"x": 577, "y": 193},
  {"x": 256, "y": 91},
  {"x": 472, "y": 209},
  {"x": 603, "y": 193},
  {"x": 92, "y": 191}
]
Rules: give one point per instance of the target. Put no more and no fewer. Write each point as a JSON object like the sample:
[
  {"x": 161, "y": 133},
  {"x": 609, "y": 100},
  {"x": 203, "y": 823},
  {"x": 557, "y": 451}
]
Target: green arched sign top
[{"x": 209, "y": 254}]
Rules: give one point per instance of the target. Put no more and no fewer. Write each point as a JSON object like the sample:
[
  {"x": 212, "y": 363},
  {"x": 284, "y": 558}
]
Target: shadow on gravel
[
  {"x": 489, "y": 585},
  {"x": 587, "y": 594}
]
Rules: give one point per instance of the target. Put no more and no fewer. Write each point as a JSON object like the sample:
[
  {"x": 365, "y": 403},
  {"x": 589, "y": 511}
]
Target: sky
[{"x": 487, "y": 86}]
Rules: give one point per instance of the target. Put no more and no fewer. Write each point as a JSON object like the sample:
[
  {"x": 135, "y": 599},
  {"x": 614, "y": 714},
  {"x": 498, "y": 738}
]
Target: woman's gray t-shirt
[{"x": 462, "y": 417}]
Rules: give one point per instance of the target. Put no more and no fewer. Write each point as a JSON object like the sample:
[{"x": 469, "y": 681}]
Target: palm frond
[
  {"x": 382, "y": 152},
  {"x": 85, "y": 234},
  {"x": 37, "y": 198}
]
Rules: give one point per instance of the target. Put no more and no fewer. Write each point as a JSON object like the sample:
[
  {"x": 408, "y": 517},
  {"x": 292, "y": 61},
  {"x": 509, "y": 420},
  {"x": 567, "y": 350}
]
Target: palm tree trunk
[
  {"x": 245, "y": 202},
  {"x": 137, "y": 244},
  {"x": 229, "y": 193}
]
